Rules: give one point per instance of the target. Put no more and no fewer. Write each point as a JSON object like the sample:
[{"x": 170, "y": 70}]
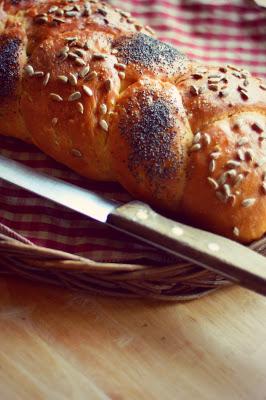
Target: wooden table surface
[{"x": 56, "y": 344}]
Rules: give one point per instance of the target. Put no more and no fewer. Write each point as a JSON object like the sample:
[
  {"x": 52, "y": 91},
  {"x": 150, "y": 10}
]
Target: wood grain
[{"x": 56, "y": 344}]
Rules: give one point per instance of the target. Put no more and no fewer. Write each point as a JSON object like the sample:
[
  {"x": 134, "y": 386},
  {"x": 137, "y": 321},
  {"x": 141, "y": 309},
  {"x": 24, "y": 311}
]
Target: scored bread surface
[{"x": 93, "y": 88}]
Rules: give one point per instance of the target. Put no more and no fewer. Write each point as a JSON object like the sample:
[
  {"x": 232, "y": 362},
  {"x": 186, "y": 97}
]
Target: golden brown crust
[
  {"x": 69, "y": 113},
  {"x": 225, "y": 189},
  {"x": 211, "y": 93},
  {"x": 92, "y": 88}
]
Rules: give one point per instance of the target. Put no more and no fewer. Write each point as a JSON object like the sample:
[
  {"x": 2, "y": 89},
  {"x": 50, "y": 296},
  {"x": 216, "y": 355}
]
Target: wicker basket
[{"x": 178, "y": 281}]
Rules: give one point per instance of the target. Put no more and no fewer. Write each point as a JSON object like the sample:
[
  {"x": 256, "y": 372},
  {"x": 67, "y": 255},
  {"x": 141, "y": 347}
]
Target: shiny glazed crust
[{"x": 95, "y": 90}]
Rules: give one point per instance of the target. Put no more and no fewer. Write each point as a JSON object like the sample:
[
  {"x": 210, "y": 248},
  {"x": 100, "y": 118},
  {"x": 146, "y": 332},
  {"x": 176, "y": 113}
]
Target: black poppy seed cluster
[
  {"x": 148, "y": 52},
  {"x": 148, "y": 126},
  {"x": 9, "y": 64}
]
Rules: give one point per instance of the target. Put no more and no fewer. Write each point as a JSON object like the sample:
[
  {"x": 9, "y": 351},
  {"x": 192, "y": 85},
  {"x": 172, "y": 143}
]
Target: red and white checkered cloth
[{"x": 223, "y": 31}]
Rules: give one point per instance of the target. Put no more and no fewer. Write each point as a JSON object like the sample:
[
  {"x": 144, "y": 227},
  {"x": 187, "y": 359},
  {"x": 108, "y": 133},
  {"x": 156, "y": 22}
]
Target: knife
[{"x": 216, "y": 253}]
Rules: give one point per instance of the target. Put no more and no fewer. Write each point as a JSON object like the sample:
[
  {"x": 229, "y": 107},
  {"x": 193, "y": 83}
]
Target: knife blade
[{"x": 214, "y": 252}]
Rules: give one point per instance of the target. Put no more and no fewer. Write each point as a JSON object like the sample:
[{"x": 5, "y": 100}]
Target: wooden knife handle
[{"x": 221, "y": 255}]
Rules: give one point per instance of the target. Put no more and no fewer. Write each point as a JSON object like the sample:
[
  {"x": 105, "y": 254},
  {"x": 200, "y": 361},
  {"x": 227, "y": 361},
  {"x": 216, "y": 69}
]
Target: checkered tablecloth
[{"x": 232, "y": 32}]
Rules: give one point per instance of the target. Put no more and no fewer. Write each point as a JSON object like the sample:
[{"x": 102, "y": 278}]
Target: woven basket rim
[{"x": 175, "y": 281}]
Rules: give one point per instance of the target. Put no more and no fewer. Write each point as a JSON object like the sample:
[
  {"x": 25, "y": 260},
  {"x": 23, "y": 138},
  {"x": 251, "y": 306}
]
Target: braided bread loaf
[{"x": 92, "y": 88}]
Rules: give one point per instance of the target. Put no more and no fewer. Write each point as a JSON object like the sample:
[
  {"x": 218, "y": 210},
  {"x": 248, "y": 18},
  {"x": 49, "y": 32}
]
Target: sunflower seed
[
  {"x": 76, "y": 153},
  {"x": 240, "y": 155},
  {"x": 249, "y": 155},
  {"x": 231, "y": 199},
  {"x": 215, "y": 76},
  {"x": 242, "y": 89},
  {"x": 236, "y": 74},
  {"x": 103, "y": 108},
  {"x": 76, "y": 43},
  {"x": 224, "y": 93},
  {"x": 41, "y": 20},
  {"x": 261, "y": 138},
  {"x": 38, "y": 74},
  {"x": 121, "y": 75},
  {"x": 71, "y": 13},
  {"x": 213, "y": 183},
  {"x": 195, "y": 147},
  {"x": 59, "y": 20},
  {"x": 71, "y": 38},
  {"x": 72, "y": 79},
  {"x": 62, "y": 56},
  {"x": 29, "y": 70},
  {"x": 102, "y": 12},
  {"x": 236, "y": 231},
  {"x": 212, "y": 166},
  {"x": 80, "y": 108},
  {"x": 214, "y": 81},
  {"x": 99, "y": 57},
  {"x": 226, "y": 189},
  {"x": 87, "y": 90},
  {"x": 197, "y": 137},
  {"x": 223, "y": 69},
  {"x": 74, "y": 96},
  {"x": 246, "y": 82},
  {"x": 242, "y": 141},
  {"x": 232, "y": 164},
  {"x": 80, "y": 52},
  {"x": 56, "y": 97},
  {"x": 104, "y": 125},
  {"x": 120, "y": 67},
  {"x": 244, "y": 95},
  {"x": 90, "y": 76},
  {"x": 257, "y": 127},
  {"x": 248, "y": 202},
  {"x": 245, "y": 73},
  {"x": 263, "y": 87},
  {"x": 207, "y": 139},
  {"x": 215, "y": 154},
  {"x": 231, "y": 173},
  {"x": 124, "y": 14},
  {"x": 213, "y": 87},
  {"x": 84, "y": 71},
  {"x": 87, "y": 10},
  {"x": 79, "y": 61},
  {"x": 46, "y": 79},
  {"x": 222, "y": 178},
  {"x": 72, "y": 55},
  {"x": 197, "y": 76},
  {"x": 63, "y": 78},
  {"x": 239, "y": 178},
  {"x": 194, "y": 90},
  {"x": 52, "y": 9},
  {"x": 59, "y": 12},
  {"x": 68, "y": 8}
]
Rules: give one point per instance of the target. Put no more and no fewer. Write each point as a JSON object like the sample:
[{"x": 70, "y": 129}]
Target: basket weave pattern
[{"x": 179, "y": 281}]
